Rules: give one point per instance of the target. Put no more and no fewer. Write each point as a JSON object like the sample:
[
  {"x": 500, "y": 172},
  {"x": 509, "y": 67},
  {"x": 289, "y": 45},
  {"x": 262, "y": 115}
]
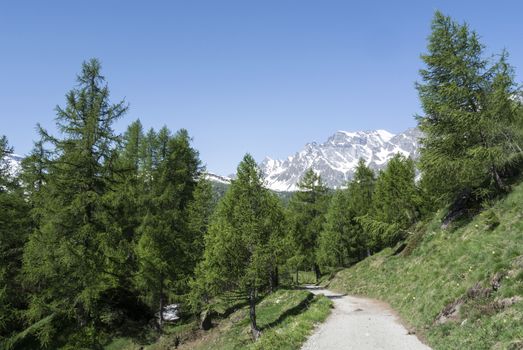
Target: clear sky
[{"x": 263, "y": 77}]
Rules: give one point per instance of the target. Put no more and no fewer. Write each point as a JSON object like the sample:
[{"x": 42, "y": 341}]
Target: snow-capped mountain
[
  {"x": 218, "y": 178},
  {"x": 336, "y": 159},
  {"x": 14, "y": 163}
]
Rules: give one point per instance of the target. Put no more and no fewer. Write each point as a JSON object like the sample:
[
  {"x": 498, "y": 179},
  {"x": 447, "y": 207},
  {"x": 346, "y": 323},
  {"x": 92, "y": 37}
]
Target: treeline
[{"x": 100, "y": 231}]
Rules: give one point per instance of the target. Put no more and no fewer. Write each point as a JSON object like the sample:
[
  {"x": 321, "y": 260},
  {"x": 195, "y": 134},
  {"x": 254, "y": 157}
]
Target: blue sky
[{"x": 263, "y": 77}]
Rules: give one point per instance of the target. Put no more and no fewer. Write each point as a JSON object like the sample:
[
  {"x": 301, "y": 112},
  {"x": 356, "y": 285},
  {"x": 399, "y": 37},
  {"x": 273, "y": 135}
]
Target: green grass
[
  {"x": 121, "y": 343},
  {"x": 286, "y": 318},
  {"x": 166, "y": 341},
  {"x": 443, "y": 266}
]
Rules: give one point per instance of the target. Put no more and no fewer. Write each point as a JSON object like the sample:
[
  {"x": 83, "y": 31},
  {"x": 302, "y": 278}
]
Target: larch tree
[
  {"x": 332, "y": 246},
  {"x": 69, "y": 259},
  {"x": 15, "y": 226},
  {"x": 471, "y": 121},
  {"x": 199, "y": 212},
  {"x": 307, "y": 209},
  {"x": 164, "y": 249},
  {"x": 361, "y": 197},
  {"x": 396, "y": 202},
  {"x": 240, "y": 244},
  {"x": 343, "y": 240}
]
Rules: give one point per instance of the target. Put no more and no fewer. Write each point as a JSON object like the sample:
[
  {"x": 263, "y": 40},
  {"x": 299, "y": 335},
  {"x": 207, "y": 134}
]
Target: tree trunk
[
  {"x": 497, "y": 178},
  {"x": 317, "y": 272},
  {"x": 274, "y": 280},
  {"x": 252, "y": 314},
  {"x": 160, "y": 321}
]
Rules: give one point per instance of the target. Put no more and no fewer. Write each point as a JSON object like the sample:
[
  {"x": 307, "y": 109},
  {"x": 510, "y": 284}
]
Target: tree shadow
[
  {"x": 294, "y": 311},
  {"x": 337, "y": 296}
]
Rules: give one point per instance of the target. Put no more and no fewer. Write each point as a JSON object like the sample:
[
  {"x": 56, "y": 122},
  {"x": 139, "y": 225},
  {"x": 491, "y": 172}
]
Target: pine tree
[
  {"x": 130, "y": 192},
  {"x": 361, "y": 188},
  {"x": 70, "y": 259},
  {"x": 307, "y": 207},
  {"x": 5, "y": 151},
  {"x": 165, "y": 246},
  {"x": 15, "y": 226},
  {"x": 343, "y": 240},
  {"x": 395, "y": 203},
  {"x": 126, "y": 202},
  {"x": 35, "y": 169},
  {"x": 361, "y": 196},
  {"x": 332, "y": 246},
  {"x": 240, "y": 243},
  {"x": 199, "y": 213},
  {"x": 470, "y": 122}
]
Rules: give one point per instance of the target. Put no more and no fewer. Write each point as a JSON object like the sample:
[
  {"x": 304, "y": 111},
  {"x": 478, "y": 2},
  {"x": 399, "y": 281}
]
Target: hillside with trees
[{"x": 100, "y": 232}]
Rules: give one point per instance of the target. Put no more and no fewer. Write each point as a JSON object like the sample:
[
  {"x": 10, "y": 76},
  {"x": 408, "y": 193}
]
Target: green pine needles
[
  {"x": 243, "y": 245},
  {"x": 100, "y": 231},
  {"x": 472, "y": 121}
]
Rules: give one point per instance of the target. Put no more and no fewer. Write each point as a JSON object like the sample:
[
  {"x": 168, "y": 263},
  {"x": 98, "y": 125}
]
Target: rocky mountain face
[{"x": 336, "y": 159}]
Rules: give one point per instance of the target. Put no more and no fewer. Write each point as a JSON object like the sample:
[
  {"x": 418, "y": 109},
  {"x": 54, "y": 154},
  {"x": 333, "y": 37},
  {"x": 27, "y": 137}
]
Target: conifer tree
[
  {"x": 395, "y": 203},
  {"x": 343, "y": 240},
  {"x": 126, "y": 201},
  {"x": 5, "y": 151},
  {"x": 199, "y": 213},
  {"x": 131, "y": 164},
  {"x": 361, "y": 197},
  {"x": 332, "y": 246},
  {"x": 15, "y": 226},
  {"x": 165, "y": 247},
  {"x": 240, "y": 243},
  {"x": 35, "y": 168},
  {"x": 470, "y": 122},
  {"x": 307, "y": 207},
  {"x": 71, "y": 259}
]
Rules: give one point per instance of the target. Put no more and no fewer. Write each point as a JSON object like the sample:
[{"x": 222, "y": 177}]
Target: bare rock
[
  {"x": 506, "y": 302},
  {"x": 495, "y": 282},
  {"x": 450, "y": 312},
  {"x": 477, "y": 291}
]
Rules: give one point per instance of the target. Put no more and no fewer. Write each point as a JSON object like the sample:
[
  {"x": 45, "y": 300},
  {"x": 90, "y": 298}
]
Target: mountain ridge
[{"x": 336, "y": 158}]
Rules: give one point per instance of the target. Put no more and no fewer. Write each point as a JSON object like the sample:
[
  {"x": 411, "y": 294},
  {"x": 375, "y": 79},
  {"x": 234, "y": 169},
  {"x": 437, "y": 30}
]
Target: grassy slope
[
  {"x": 286, "y": 318},
  {"x": 442, "y": 268}
]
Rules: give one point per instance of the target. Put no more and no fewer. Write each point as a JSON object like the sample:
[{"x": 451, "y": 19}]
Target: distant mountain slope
[
  {"x": 218, "y": 178},
  {"x": 336, "y": 158}
]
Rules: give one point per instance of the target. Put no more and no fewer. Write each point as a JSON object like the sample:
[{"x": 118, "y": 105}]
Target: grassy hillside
[
  {"x": 286, "y": 318},
  {"x": 460, "y": 287}
]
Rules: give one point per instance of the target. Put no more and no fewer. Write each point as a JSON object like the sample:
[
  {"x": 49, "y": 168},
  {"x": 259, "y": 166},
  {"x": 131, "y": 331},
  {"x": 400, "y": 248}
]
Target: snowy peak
[
  {"x": 14, "y": 163},
  {"x": 362, "y": 136},
  {"x": 336, "y": 159},
  {"x": 218, "y": 178}
]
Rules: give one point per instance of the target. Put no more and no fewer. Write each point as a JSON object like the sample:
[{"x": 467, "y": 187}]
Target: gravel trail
[{"x": 360, "y": 324}]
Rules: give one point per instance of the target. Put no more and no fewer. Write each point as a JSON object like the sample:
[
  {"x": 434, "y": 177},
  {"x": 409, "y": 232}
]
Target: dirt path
[{"x": 362, "y": 324}]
